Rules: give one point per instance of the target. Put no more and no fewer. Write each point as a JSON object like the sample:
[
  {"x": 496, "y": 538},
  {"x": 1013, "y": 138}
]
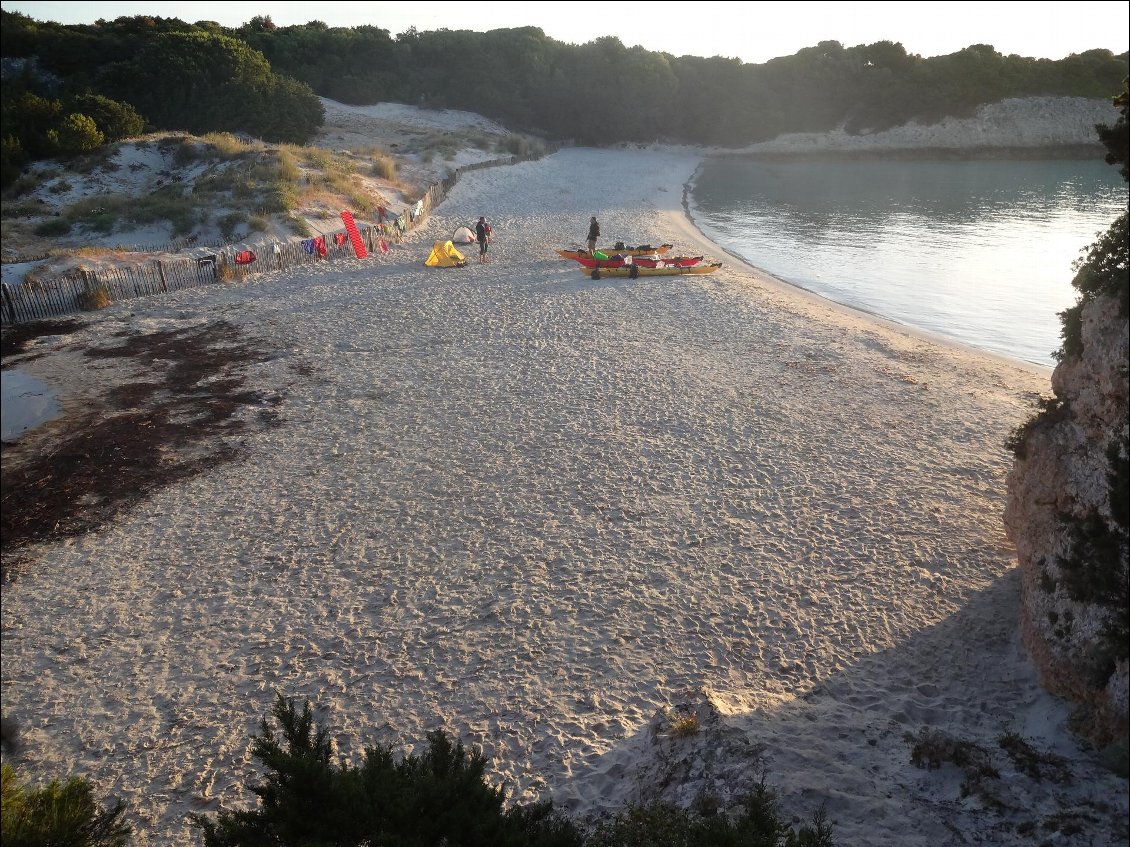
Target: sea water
[{"x": 980, "y": 251}]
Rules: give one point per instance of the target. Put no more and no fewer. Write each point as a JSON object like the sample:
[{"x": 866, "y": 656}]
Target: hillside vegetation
[{"x": 69, "y": 89}]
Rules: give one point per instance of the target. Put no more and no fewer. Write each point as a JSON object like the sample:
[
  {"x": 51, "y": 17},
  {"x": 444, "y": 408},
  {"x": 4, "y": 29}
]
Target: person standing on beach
[
  {"x": 482, "y": 235},
  {"x": 594, "y": 234}
]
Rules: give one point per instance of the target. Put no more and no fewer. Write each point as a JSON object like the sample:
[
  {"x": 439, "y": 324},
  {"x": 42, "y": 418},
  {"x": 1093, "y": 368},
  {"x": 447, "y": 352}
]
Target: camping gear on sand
[
  {"x": 644, "y": 250},
  {"x": 359, "y": 249},
  {"x": 444, "y": 255},
  {"x": 595, "y": 261},
  {"x": 666, "y": 261},
  {"x": 464, "y": 235}
]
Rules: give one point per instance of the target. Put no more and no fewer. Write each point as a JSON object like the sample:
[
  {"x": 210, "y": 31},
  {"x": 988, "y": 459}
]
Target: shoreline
[
  {"x": 813, "y": 297},
  {"x": 973, "y": 153},
  {"x": 533, "y": 510}
]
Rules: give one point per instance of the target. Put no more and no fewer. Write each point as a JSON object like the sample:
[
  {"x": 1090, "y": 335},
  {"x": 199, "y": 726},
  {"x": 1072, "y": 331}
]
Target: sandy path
[{"x": 531, "y": 509}]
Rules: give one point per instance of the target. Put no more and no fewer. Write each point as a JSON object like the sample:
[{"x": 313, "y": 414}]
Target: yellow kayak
[{"x": 635, "y": 270}]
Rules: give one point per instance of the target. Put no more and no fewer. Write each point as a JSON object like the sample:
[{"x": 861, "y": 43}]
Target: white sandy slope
[
  {"x": 427, "y": 145},
  {"x": 1016, "y": 123},
  {"x": 531, "y": 509}
]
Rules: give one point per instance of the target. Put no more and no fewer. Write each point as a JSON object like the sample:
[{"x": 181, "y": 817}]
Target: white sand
[{"x": 531, "y": 509}]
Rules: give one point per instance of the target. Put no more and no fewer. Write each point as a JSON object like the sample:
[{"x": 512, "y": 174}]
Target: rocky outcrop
[
  {"x": 1066, "y": 526},
  {"x": 1015, "y": 125}
]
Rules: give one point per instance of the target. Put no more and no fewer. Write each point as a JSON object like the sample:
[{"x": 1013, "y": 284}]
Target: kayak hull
[{"x": 627, "y": 270}]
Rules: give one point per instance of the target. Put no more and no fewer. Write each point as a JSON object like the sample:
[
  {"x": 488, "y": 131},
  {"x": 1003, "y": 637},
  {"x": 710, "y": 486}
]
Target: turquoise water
[{"x": 978, "y": 251}]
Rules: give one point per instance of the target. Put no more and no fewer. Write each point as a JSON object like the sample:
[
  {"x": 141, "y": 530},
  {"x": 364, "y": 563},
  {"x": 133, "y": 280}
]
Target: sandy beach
[{"x": 532, "y": 509}]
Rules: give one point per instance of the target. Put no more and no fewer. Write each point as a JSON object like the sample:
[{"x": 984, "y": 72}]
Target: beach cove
[{"x": 531, "y": 509}]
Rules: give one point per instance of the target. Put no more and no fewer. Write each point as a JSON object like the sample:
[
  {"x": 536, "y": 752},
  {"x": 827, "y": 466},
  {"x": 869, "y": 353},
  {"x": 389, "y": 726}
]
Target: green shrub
[
  {"x": 187, "y": 151},
  {"x": 12, "y": 158},
  {"x": 310, "y": 796},
  {"x": 244, "y": 187},
  {"x": 63, "y": 814},
  {"x": 102, "y": 222},
  {"x": 1092, "y": 565},
  {"x": 257, "y": 223},
  {"x": 339, "y": 182},
  {"x": 931, "y": 748},
  {"x": 288, "y": 167},
  {"x": 231, "y": 222},
  {"x": 93, "y": 298},
  {"x": 1050, "y": 410},
  {"x": 24, "y": 185},
  {"x": 299, "y": 226},
  {"x": 359, "y": 201},
  {"x": 758, "y": 824},
  {"x": 684, "y": 724},
  {"x": 265, "y": 169},
  {"x": 166, "y": 204},
  {"x": 438, "y": 797},
  {"x": 1116, "y": 758},
  {"x": 54, "y": 227},
  {"x": 77, "y": 134},
  {"x": 320, "y": 159},
  {"x": 1031, "y": 762},
  {"x": 115, "y": 119},
  {"x": 22, "y": 209},
  {"x": 224, "y": 145},
  {"x": 518, "y": 145},
  {"x": 385, "y": 168},
  {"x": 207, "y": 186},
  {"x": 1071, "y": 332},
  {"x": 281, "y": 198},
  {"x": 102, "y": 157}
]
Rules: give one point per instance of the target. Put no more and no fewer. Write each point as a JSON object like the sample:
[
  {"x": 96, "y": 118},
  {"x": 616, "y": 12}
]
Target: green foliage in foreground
[
  {"x": 758, "y": 825},
  {"x": 441, "y": 797},
  {"x": 306, "y": 799},
  {"x": 59, "y": 815}
]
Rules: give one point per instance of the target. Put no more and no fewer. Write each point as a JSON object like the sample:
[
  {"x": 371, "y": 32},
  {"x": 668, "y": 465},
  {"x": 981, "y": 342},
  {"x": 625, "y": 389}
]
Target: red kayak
[{"x": 593, "y": 262}]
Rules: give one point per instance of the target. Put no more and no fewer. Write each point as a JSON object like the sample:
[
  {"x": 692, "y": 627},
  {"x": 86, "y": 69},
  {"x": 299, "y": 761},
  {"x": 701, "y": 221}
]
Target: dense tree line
[
  {"x": 261, "y": 79},
  {"x": 603, "y": 92},
  {"x": 69, "y": 89}
]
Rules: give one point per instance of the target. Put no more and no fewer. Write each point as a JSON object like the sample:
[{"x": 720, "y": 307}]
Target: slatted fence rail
[{"x": 88, "y": 290}]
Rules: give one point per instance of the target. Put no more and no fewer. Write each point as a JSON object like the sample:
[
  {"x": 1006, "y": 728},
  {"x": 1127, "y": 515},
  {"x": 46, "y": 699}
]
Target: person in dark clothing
[
  {"x": 482, "y": 235},
  {"x": 594, "y": 234}
]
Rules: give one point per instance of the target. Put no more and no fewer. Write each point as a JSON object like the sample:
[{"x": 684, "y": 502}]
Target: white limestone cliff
[{"x": 1059, "y": 481}]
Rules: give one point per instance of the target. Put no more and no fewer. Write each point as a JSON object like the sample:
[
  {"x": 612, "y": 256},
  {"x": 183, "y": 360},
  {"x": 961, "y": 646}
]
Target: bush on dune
[
  {"x": 442, "y": 797},
  {"x": 64, "y": 814},
  {"x": 306, "y": 799}
]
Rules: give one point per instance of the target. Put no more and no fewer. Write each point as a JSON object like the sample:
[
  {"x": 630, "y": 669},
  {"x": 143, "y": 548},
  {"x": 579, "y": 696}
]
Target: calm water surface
[{"x": 978, "y": 251}]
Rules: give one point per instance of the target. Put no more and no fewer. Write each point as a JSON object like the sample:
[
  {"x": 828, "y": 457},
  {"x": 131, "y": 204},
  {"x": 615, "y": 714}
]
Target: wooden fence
[{"x": 89, "y": 290}]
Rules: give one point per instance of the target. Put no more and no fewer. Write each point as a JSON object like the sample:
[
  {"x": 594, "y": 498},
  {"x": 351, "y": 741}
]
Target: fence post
[{"x": 161, "y": 271}]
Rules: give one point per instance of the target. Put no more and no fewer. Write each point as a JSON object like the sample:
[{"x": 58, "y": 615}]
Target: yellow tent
[{"x": 444, "y": 255}]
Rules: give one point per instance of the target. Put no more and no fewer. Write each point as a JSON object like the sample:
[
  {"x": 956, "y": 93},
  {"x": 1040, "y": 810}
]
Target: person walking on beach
[
  {"x": 594, "y": 234},
  {"x": 482, "y": 235}
]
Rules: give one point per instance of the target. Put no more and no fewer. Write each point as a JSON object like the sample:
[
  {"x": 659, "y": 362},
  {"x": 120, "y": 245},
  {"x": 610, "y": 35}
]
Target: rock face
[
  {"x": 1059, "y": 503},
  {"x": 1015, "y": 124}
]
